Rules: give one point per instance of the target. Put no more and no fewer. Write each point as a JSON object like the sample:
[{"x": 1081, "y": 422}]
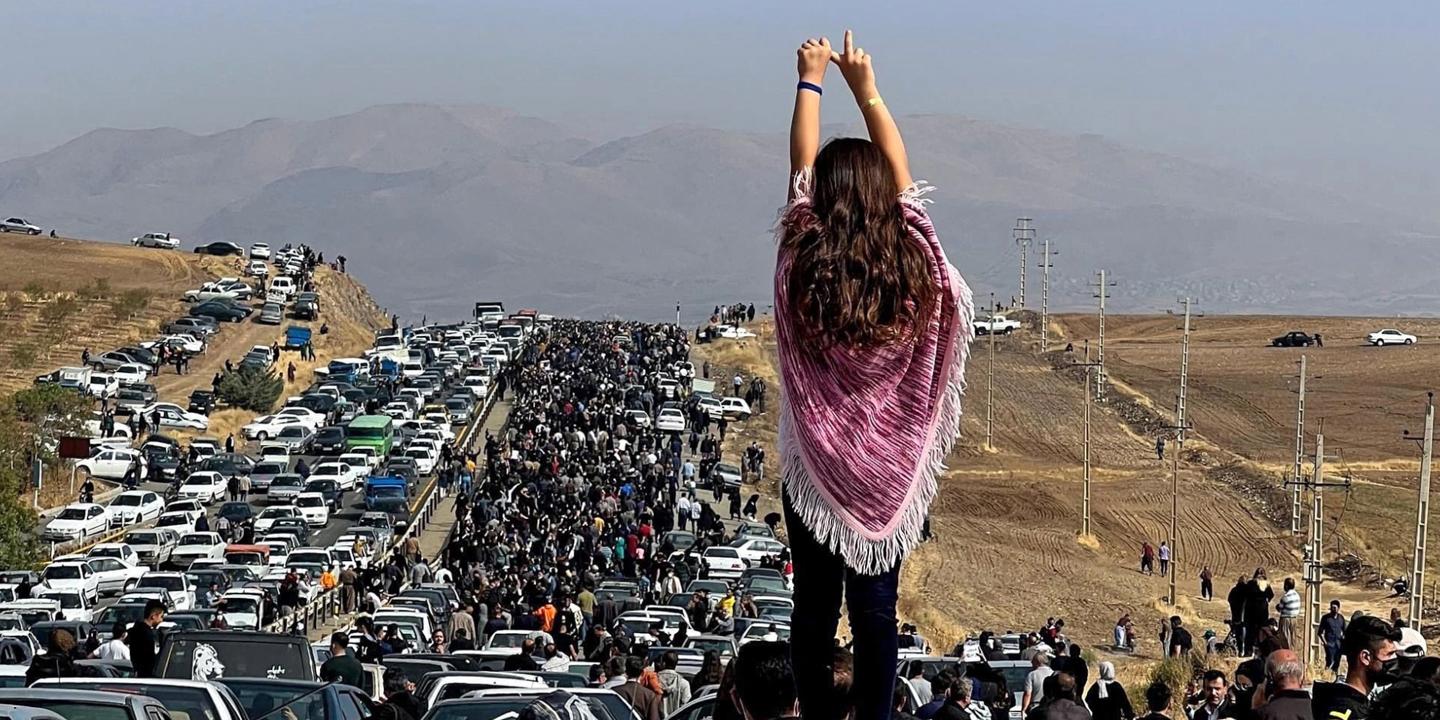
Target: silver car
[{"x": 271, "y": 314}]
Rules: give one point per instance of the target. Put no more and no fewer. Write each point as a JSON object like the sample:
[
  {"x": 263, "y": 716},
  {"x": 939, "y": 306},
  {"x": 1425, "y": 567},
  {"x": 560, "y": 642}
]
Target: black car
[
  {"x": 1293, "y": 339},
  {"x": 242, "y": 654},
  {"x": 202, "y": 401},
  {"x": 165, "y": 457},
  {"x": 227, "y": 312},
  {"x": 305, "y": 310},
  {"x": 328, "y": 488},
  {"x": 239, "y": 514},
  {"x": 220, "y": 247},
  {"x": 291, "y": 526},
  {"x": 144, "y": 355},
  {"x": 329, "y": 440},
  {"x": 228, "y": 464}
]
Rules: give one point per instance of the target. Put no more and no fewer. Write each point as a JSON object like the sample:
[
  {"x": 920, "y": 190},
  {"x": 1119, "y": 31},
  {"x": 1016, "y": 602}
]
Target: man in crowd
[
  {"x": 342, "y": 667},
  {"x": 645, "y": 701},
  {"x": 143, "y": 641},
  {"x": 1369, "y": 646},
  {"x": 1284, "y": 682}
]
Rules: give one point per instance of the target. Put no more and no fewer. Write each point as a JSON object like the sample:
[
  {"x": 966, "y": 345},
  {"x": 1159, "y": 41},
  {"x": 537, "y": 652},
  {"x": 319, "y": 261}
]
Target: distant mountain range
[{"x": 436, "y": 207}]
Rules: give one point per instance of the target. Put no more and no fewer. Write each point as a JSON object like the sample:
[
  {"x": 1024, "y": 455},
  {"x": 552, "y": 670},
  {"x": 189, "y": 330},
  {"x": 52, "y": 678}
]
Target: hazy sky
[{"x": 1342, "y": 94}]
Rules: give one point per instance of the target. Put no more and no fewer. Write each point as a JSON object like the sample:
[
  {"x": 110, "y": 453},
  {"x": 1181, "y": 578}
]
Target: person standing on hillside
[
  {"x": 1207, "y": 584},
  {"x": 1258, "y": 594},
  {"x": 1289, "y": 610},
  {"x": 872, "y": 327},
  {"x": 1332, "y": 631},
  {"x": 1164, "y": 555}
]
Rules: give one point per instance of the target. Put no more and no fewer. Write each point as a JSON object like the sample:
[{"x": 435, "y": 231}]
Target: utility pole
[
  {"x": 1422, "y": 518},
  {"x": 1023, "y": 235},
  {"x": 1045, "y": 298},
  {"x": 1180, "y": 428},
  {"x": 1085, "y": 451},
  {"x": 990, "y": 386},
  {"x": 1102, "y": 292},
  {"x": 1313, "y": 567},
  {"x": 1295, "y": 476}
]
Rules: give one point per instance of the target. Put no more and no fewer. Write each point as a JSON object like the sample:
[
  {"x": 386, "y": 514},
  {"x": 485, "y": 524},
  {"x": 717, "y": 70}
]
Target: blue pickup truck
[
  {"x": 296, "y": 337},
  {"x": 387, "y": 494}
]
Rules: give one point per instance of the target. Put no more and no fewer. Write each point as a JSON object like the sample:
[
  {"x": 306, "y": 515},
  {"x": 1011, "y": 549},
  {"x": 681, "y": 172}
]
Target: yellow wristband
[{"x": 872, "y": 102}]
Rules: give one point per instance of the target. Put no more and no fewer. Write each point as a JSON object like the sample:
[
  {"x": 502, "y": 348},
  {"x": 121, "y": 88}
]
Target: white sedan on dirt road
[{"x": 1390, "y": 336}]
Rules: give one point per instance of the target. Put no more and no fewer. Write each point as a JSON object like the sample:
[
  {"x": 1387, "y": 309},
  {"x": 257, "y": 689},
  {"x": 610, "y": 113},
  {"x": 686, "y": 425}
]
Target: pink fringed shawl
[{"x": 864, "y": 433}]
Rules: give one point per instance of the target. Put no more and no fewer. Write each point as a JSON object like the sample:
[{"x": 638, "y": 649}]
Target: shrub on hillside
[
  {"x": 23, "y": 357},
  {"x": 128, "y": 303},
  {"x": 99, "y": 288},
  {"x": 14, "y": 301},
  {"x": 250, "y": 388},
  {"x": 36, "y": 290},
  {"x": 1176, "y": 673},
  {"x": 60, "y": 310}
]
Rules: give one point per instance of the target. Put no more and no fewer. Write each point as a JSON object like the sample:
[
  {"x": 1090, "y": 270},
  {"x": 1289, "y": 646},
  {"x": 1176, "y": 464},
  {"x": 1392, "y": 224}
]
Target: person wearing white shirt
[{"x": 116, "y": 649}]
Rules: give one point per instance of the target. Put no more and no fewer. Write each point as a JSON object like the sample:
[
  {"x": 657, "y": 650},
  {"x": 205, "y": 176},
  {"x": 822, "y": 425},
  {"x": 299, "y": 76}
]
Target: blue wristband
[{"x": 811, "y": 87}]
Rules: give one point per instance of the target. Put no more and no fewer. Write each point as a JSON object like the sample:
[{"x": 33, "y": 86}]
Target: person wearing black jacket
[
  {"x": 1236, "y": 600},
  {"x": 399, "y": 703},
  {"x": 1258, "y": 596},
  {"x": 57, "y": 660},
  {"x": 142, "y": 639}
]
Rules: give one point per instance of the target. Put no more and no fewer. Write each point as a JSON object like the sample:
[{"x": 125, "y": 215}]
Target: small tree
[
  {"x": 36, "y": 290},
  {"x": 128, "y": 303},
  {"x": 99, "y": 288},
  {"x": 59, "y": 310},
  {"x": 251, "y": 388},
  {"x": 14, "y": 301},
  {"x": 23, "y": 357}
]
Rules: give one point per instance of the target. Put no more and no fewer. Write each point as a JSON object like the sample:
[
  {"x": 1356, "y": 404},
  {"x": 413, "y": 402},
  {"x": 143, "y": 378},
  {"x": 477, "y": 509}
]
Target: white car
[
  {"x": 734, "y": 408},
  {"x": 723, "y": 562},
  {"x": 153, "y": 546},
  {"x": 116, "y": 576},
  {"x": 174, "y": 416},
  {"x": 314, "y": 508},
  {"x": 75, "y": 605},
  {"x": 259, "y": 251},
  {"x": 131, "y": 373},
  {"x": 164, "y": 241},
  {"x": 19, "y": 225},
  {"x": 307, "y": 417},
  {"x": 133, "y": 507},
  {"x": 711, "y": 406},
  {"x": 103, "y": 385},
  {"x": 670, "y": 420},
  {"x": 342, "y": 473},
  {"x": 195, "y": 546},
  {"x": 77, "y": 522},
  {"x": 264, "y": 428},
  {"x": 257, "y": 268},
  {"x": 268, "y": 516},
  {"x": 424, "y": 458},
  {"x": 283, "y": 285},
  {"x": 72, "y": 575},
  {"x": 120, "y": 551},
  {"x": 110, "y": 463},
  {"x": 1390, "y": 336},
  {"x": 181, "y": 521},
  {"x": 639, "y": 417},
  {"x": 755, "y": 549},
  {"x": 369, "y": 454},
  {"x": 187, "y": 343},
  {"x": 182, "y": 591},
  {"x": 206, "y": 486},
  {"x": 360, "y": 463},
  {"x": 732, "y": 332}
]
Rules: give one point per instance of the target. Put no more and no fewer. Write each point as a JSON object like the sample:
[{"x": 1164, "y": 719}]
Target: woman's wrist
[
  {"x": 813, "y": 78},
  {"x": 864, "y": 93}
]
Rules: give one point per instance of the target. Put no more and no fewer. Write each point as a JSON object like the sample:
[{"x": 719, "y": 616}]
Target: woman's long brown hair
[{"x": 858, "y": 279}]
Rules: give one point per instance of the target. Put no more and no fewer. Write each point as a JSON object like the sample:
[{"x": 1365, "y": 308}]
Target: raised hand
[
  {"x": 814, "y": 56},
  {"x": 855, "y": 66}
]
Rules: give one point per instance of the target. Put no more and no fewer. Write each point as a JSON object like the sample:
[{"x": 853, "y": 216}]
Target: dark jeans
[{"x": 820, "y": 579}]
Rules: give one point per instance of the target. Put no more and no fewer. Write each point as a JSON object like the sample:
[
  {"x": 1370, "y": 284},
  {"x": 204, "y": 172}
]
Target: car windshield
[
  {"x": 168, "y": 582},
  {"x": 196, "y": 540},
  {"x": 127, "y": 500},
  {"x": 143, "y": 539},
  {"x": 71, "y": 710},
  {"x": 285, "y": 481},
  {"x": 200, "y": 479},
  {"x": 68, "y": 601},
  {"x": 311, "y": 501},
  {"x": 127, "y": 613},
  {"x": 72, "y": 514},
  {"x": 62, "y": 572},
  {"x": 261, "y": 698},
  {"x": 483, "y": 709}
]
